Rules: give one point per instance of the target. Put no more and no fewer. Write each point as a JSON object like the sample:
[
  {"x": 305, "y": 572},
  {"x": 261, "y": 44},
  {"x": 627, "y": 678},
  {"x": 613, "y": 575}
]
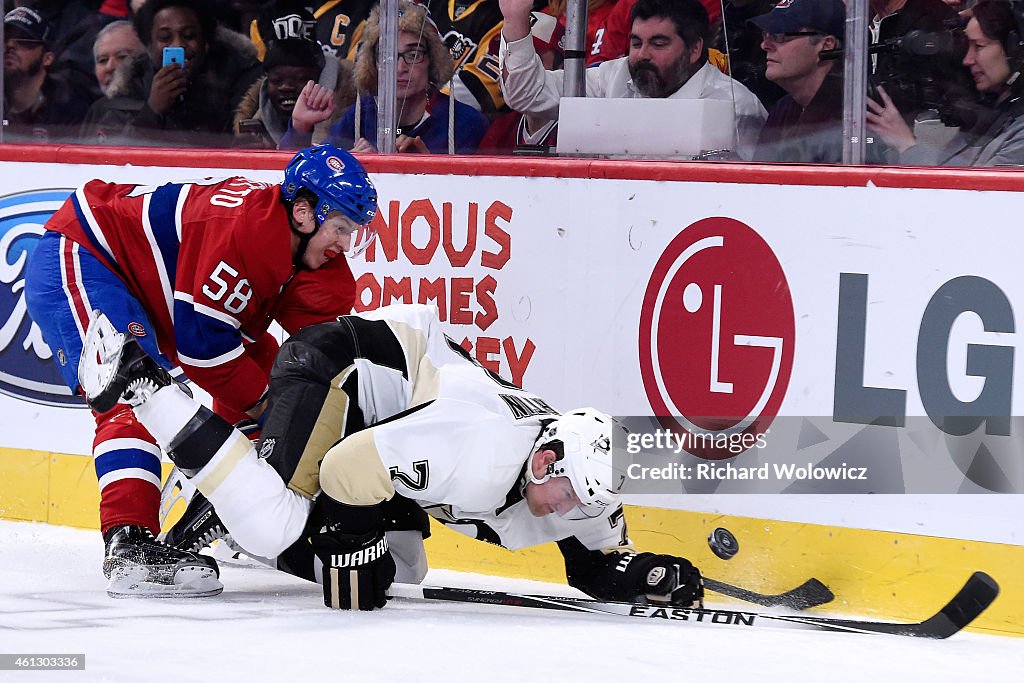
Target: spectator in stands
[
  {"x": 741, "y": 41},
  {"x": 74, "y": 25},
  {"x": 668, "y": 58},
  {"x": 282, "y": 20},
  {"x": 172, "y": 105},
  {"x": 262, "y": 117},
  {"x": 995, "y": 57},
  {"x": 424, "y": 66},
  {"x": 116, "y": 43},
  {"x": 337, "y": 26},
  {"x": 807, "y": 124},
  {"x": 41, "y": 103},
  {"x": 514, "y": 130},
  {"x": 614, "y": 32}
]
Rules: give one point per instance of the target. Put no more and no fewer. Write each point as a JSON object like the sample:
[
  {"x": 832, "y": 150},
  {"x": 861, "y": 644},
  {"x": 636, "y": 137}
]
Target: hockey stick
[
  {"x": 976, "y": 595},
  {"x": 810, "y": 593}
]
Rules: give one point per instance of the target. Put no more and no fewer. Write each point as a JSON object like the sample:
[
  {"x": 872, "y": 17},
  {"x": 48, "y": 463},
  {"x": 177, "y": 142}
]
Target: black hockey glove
[
  {"x": 663, "y": 579},
  {"x": 358, "y": 569}
]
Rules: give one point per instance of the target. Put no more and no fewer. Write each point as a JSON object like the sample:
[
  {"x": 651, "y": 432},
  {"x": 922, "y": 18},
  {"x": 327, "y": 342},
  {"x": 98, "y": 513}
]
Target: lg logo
[{"x": 717, "y": 334}]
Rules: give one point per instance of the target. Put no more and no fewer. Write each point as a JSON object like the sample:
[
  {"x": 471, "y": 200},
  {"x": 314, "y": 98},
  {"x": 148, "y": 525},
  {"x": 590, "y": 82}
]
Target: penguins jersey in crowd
[
  {"x": 448, "y": 434},
  {"x": 339, "y": 25},
  {"x": 471, "y": 30},
  {"x": 208, "y": 261}
]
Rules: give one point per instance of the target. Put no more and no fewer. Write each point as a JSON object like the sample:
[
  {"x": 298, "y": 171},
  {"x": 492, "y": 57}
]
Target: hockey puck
[{"x": 723, "y": 543}]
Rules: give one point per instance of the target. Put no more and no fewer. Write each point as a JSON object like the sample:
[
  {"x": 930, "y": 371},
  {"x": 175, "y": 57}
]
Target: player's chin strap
[{"x": 304, "y": 238}]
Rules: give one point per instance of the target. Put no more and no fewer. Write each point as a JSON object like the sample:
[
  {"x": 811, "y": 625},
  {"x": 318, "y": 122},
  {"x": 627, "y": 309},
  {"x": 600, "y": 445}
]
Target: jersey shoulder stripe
[
  {"x": 214, "y": 313},
  {"x": 163, "y": 223}
]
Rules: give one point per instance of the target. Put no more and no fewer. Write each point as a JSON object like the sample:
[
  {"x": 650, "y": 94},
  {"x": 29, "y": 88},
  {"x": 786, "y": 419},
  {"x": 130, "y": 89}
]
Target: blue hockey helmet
[{"x": 337, "y": 179}]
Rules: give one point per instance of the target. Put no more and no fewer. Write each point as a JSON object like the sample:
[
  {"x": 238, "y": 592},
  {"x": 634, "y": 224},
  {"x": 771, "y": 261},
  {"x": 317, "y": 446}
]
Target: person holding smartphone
[{"x": 185, "y": 89}]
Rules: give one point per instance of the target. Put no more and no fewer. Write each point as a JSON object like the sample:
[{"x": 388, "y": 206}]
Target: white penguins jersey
[{"x": 455, "y": 437}]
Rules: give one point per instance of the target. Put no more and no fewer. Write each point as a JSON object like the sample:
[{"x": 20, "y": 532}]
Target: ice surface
[{"x": 268, "y": 626}]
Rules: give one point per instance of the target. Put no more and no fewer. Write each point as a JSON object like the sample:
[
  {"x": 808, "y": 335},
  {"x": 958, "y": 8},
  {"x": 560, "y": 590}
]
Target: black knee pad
[{"x": 198, "y": 441}]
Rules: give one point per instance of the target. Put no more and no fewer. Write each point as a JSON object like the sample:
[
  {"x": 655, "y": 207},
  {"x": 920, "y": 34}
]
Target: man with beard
[
  {"x": 668, "y": 58},
  {"x": 40, "y": 104}
]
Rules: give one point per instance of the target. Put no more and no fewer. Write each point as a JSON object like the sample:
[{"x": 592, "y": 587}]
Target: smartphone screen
[{"x": 174, "y": 55}]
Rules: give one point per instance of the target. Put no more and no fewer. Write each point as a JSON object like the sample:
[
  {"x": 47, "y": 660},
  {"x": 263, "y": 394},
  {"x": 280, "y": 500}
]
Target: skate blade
[
  {"x": 189, "y": 582},
  {"x": 229, "y": 553}
]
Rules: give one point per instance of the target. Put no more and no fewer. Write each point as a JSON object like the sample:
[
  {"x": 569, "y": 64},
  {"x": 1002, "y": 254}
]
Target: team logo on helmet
[
  {"x": 335, "y": 164},
  {"x": 137, "y": 329},
  {"x": 27, "y": 370}
]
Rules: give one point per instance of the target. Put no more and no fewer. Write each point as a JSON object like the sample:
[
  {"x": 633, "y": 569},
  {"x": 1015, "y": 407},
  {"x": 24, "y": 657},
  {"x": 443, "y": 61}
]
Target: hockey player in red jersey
[
  {"x": 196, "y": 272},
  {"x": 374, "y": 421}
]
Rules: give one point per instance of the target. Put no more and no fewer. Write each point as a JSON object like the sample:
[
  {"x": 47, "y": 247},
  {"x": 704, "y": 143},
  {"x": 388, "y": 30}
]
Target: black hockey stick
[
  {"x": 976, "y": 595},
  {"x": 810, "y": 593}
]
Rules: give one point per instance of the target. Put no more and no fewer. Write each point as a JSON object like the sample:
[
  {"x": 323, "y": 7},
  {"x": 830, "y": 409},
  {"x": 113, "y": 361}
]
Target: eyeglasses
[
  {"x": 413, "y": 56},
  {"x": 780, "y": 38}
]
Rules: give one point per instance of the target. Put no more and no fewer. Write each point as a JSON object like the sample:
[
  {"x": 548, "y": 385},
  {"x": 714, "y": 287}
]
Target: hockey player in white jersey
[{"x": 374, "y": 421}]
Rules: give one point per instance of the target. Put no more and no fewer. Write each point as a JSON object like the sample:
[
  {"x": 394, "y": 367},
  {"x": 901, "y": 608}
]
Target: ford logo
[{"x": 27, "y": 368}]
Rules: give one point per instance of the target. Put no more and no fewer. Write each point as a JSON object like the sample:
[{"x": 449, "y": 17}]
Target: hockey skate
[
  {"x": 140, "y": 566},
  {"x": 114, "y": 368},
  {"x": 198, "y": 527}
]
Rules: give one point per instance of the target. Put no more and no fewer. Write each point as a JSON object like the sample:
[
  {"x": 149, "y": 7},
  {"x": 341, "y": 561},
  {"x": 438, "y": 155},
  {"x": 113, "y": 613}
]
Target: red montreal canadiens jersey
[
  {"x": 595, "y": 30},
  {"x": 210, "y": 261}
]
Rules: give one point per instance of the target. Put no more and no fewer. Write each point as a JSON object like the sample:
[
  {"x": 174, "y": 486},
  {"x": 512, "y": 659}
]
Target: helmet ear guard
[{"x": 583, "y": 439}]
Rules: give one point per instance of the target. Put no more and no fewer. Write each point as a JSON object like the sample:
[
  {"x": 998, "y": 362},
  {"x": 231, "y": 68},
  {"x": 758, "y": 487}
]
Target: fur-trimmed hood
[{"x": 412, "y": 17}]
